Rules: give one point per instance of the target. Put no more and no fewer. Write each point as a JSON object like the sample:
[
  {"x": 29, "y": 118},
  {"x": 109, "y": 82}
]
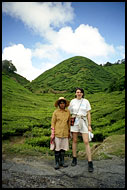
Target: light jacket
[{"x": 61, "y": 122}]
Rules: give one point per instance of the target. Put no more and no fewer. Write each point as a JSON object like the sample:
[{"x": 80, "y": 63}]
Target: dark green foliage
[
  {"x": 7, "y": 66},
  {"x": 18, "y": 78},
  {"x": 10, "y": 69},
  {"x": 117, "y": 84},
  {"x": 38, "y": 132},
  {"x": 107, "y": 64},
  {"x": 117, "y": 81},
  {"x": 71, "y": 73},
  {"x": 43, "y": 141}
]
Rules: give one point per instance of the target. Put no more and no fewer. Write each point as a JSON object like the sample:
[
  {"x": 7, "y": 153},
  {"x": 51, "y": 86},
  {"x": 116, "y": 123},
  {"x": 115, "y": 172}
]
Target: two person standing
[{"x": 80, "y": 108}]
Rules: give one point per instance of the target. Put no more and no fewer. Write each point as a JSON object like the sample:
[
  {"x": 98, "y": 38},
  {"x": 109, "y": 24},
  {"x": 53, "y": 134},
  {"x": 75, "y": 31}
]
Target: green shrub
[
  {"x": 6, "y": 133},
  {"x": 28, "y": 149},
  {"x": 43, "y": 141},
  {"x": 37, "y": 132}
]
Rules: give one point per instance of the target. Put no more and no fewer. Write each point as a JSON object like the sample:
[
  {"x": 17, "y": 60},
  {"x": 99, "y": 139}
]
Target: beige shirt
[{"x": 61, "y": 122}]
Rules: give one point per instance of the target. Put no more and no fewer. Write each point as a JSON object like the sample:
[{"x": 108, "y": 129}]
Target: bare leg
[
  {"x": 74, "y": 144},
  {"x": 86, "y": 142}
]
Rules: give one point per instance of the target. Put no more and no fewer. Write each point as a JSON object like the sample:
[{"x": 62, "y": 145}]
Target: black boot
[
  {"x": 74, "y": 161},
  {"x": 57, "y": 160},
  {"x": 90, "y": 166},
  {"x": 62, "y": 153}
]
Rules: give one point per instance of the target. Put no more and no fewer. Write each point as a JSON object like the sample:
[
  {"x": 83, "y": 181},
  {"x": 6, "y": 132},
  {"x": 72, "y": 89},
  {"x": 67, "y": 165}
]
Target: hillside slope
[
  {"x": 22, "y": 109},
  {"x": 118, "y": 80},
  {"x": 74, "y": 72},
  {"x": 28, "y": 115},
  {"x": 18, "y": 78}
]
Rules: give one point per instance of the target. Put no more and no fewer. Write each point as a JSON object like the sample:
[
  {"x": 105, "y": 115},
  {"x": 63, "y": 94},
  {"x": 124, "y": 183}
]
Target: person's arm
[
  {"x": 89, "y": 121},
  {"x": 70, "y": 107},
  {"x": 69, "y": 124},
  {"x": 52, "y": 133},
  {"x": 53, "y": 121}
]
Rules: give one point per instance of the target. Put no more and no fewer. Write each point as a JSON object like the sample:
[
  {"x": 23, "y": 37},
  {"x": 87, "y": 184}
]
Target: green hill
[
  {"x": 10, "y": 70},
  {"x": 29, "y": 114},
  {"x": 18, "y": 78},
  {"x": 21, "y": 109},
  {"x": 73, "y": 72},
  {"x": 118, "y": 79},
  {"x": 117, "y": 70}
]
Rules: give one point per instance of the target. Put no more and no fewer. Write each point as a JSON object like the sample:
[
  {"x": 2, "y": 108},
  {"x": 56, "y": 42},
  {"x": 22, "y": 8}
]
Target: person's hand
[
  {"x": 89, "y": 128},
  {"x": 70, "y": 135},
  {"x": 52, "y": 140},
  {"x": 52, "y": 134}
]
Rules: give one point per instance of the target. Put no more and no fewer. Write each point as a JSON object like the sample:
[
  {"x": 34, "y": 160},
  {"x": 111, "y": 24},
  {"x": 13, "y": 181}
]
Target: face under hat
[{"x": 61, "y": 98}]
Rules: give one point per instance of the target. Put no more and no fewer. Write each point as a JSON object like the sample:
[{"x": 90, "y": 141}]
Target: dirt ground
[{"x": 39, "y": 172}]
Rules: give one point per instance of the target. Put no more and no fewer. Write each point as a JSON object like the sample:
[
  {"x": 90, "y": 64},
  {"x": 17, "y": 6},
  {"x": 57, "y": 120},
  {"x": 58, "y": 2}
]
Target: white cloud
[
  {"x": 45, "y": 51},
  {"x": 49, "y": 20},
  {"x": 42, "y": 17},
  {"x": 85, "y": 41},
  {"x": 121, "y": 51},
  {"x": 21, "y": 58}
]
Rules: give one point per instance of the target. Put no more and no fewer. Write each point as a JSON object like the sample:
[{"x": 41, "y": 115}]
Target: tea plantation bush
[{"x": 43, "y": 141}]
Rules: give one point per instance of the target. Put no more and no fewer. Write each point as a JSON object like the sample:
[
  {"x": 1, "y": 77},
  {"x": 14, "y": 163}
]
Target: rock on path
[{"x": 33, "y": 172}]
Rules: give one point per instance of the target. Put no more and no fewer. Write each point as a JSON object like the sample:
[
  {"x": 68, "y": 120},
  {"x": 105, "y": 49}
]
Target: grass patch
[{"x": 110, "y": 147}]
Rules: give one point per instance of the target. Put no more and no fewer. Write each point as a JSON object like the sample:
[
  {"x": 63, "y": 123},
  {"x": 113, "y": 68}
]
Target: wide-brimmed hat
[{"x": 62, "y": 98}]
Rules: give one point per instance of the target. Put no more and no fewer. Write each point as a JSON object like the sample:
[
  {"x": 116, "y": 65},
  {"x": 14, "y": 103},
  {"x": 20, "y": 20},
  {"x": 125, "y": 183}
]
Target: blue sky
[{"x": 36, "y": 36}]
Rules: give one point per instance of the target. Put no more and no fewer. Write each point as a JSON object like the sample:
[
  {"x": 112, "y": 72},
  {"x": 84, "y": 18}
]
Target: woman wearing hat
[{"x": 60, "y": 130}]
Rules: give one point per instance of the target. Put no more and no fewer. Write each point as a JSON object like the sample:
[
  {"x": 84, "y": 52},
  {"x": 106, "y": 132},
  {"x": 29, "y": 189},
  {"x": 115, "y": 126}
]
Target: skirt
[{"x": 61, "y": 143}]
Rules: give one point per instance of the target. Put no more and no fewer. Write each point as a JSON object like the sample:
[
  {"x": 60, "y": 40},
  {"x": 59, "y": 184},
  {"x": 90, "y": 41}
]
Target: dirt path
[{"x": 33, "y": 172}]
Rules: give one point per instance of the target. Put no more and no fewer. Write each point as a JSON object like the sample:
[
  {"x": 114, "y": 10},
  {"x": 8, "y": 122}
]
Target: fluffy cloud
[
  {"x": 21, "y": 58},
  {"x": 45, "y": 17},
  {"x": 45, "y": 51},
  {"x": 42, "y": 17},
  {"x": 49, "y": 20},
  {"x": 120, "y": 51},
  {"x": 85, "y": 40}
]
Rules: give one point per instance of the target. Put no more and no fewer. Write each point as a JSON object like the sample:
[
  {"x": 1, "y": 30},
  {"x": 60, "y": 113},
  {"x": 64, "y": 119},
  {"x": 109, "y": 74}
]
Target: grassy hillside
[
  {"x": 21, "y": 109},
  {"x": 28, "y": 115},
  {"x": 20, "y": 79},
  {"x": 117, "y": 70},
  {"x": 71, "y": 73}
]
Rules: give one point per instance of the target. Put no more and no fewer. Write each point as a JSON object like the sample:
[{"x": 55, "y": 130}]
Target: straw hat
[{"x": 62, "y": 98}]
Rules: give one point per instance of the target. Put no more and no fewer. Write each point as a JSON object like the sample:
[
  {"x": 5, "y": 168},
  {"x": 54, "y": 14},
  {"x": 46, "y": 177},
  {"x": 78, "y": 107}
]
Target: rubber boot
[
  {"x": 57, "y": 160},
  {"x": 74, "y": 161},
  {"x": 90, "y": 166},
  {"x": 62, "y": 153}
]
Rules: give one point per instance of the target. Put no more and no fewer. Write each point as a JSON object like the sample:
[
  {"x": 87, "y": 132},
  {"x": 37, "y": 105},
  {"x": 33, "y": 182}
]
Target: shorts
[
  {"x": 61, "y": 143},
  {"x": 77, "y": 128},
  {"x": 80, "y": 126}
]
